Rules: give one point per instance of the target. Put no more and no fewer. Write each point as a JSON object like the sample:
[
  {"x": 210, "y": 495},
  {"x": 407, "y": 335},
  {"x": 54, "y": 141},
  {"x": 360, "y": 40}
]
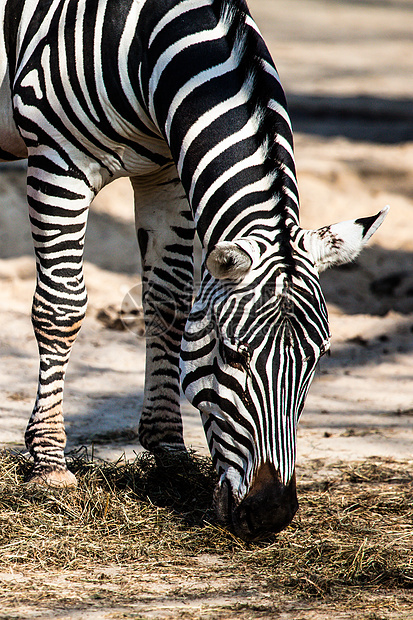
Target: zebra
[{"x": 182, "y": 97}]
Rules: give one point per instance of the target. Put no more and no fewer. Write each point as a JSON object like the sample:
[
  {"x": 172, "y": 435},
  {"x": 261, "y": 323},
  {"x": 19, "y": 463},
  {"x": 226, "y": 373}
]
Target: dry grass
[{"x": 354, "y": 529}]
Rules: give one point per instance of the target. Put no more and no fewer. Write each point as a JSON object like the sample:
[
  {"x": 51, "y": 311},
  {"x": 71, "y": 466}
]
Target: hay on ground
[{"x": 354, "y": 527}]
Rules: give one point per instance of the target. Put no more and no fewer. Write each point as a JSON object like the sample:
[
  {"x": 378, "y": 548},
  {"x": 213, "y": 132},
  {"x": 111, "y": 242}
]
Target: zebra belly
[{"x": 11, "y": 144}]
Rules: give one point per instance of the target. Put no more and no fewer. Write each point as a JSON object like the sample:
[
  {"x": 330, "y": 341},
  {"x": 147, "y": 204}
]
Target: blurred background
[{"x": 347, "y": 69}]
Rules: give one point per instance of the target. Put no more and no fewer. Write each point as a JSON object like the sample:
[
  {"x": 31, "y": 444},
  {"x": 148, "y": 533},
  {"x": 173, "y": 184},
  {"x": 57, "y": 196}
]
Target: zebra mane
[{"x": 270, "y": 123}]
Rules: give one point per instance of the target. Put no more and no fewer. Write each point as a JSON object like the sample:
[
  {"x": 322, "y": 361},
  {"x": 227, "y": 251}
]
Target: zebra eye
[
  {"x": 325, "y": 348},
  {"x": 236, "y": 358}
]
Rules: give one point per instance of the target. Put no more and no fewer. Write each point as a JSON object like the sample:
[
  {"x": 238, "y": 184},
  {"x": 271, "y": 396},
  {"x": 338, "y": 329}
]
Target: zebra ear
[
  {"x": 231, "y": 260},
  {"x": 341, "y": 243}
]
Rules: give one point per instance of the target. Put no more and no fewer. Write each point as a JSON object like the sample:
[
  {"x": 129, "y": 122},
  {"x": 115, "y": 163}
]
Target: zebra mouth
[{"x": 267, "y": 509}]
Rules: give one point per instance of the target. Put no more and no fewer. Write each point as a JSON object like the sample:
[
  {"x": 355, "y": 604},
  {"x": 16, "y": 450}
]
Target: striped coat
[{"x": 182, "y": 96}]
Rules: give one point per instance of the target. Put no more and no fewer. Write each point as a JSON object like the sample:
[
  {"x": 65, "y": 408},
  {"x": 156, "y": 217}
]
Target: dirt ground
[{"x": 347, "y": 70}]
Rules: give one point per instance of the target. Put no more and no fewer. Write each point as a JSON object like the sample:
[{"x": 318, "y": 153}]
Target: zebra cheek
[{"x": 222, "y": 502}]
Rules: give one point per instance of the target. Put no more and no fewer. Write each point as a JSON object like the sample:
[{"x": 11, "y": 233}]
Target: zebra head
[{"x": 251, "y": 345}]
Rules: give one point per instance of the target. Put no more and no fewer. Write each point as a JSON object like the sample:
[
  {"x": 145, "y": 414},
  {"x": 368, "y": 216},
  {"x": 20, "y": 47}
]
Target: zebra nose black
[{"x": 268, "y": 508}]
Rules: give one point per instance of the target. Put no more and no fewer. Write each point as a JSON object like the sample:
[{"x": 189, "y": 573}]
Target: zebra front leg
[
  {"x": 165, "y": 232},
  {"x": 58, "y": 219}
]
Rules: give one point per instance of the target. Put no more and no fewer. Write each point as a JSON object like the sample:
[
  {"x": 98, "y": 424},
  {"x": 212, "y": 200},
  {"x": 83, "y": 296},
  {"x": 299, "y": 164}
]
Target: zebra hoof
[
  {"x": 170, "y": 455},
  {"x": 57, "y": 479}
]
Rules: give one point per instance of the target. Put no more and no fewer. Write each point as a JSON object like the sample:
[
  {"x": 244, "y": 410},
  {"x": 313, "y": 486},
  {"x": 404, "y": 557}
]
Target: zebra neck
[
  {"x": 269, "y": 223},
  {"x": 212, "y": 90}
]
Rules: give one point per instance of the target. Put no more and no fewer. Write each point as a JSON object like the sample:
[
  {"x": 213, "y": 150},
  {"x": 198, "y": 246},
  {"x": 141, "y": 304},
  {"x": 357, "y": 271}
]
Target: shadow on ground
[
  {"x": 379, "y": 281},
  {"x": 363, "y": 118}
]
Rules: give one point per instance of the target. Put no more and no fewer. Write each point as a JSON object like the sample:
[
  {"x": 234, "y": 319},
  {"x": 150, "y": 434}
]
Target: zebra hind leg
[
  {"x": 165, "y": 233},
  {"x": 58, "y": 219}
]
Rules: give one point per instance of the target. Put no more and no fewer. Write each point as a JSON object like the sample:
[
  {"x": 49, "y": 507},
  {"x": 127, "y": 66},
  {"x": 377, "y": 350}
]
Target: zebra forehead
[
  {"x": 254, "y": 313},
  {"x": 274, "y": 289}
]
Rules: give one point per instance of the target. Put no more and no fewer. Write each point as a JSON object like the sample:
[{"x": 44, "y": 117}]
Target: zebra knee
[{"x": 57, "y": 315}]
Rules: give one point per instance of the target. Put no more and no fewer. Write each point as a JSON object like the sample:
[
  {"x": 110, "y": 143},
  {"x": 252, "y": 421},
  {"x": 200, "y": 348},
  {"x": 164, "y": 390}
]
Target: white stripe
[
  {"x": 79, "y": 54},
  {"x": 183, "y": 7},
  {"x": 209, "y": 117},
  {"x": 250, "y": 22},
  {"x": 285, "y": 144},
  {"x": 271, "y": 70},
  {"x": 290, "y": 174},
  {"x": 256, "y": 159},
  {"x": 128, "y": 33},
  {"x": 268, "y": 205},
  {"x": 64, "y": 73},
  {"x": 249, "y": 130},
  {"x": 219, "y": 31},
  {"x": 291, "y": 195},
  {"x": 195, "y": 82},
  {"x": 29, "y": 10},
  {"x": 277, "y": 107},
  {"x": 31, "y": 79}
]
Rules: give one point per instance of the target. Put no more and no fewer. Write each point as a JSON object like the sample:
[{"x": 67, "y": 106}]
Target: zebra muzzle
[{"x": 268, "y": 508}]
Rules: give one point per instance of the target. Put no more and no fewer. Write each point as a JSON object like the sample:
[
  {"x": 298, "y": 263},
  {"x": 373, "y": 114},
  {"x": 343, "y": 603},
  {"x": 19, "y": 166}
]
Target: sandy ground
[{"x": 347, "y": 69}]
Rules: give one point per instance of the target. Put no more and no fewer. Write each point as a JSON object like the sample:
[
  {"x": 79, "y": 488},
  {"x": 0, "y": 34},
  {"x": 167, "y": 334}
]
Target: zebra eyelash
[{"x": 325, "y": 349}]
